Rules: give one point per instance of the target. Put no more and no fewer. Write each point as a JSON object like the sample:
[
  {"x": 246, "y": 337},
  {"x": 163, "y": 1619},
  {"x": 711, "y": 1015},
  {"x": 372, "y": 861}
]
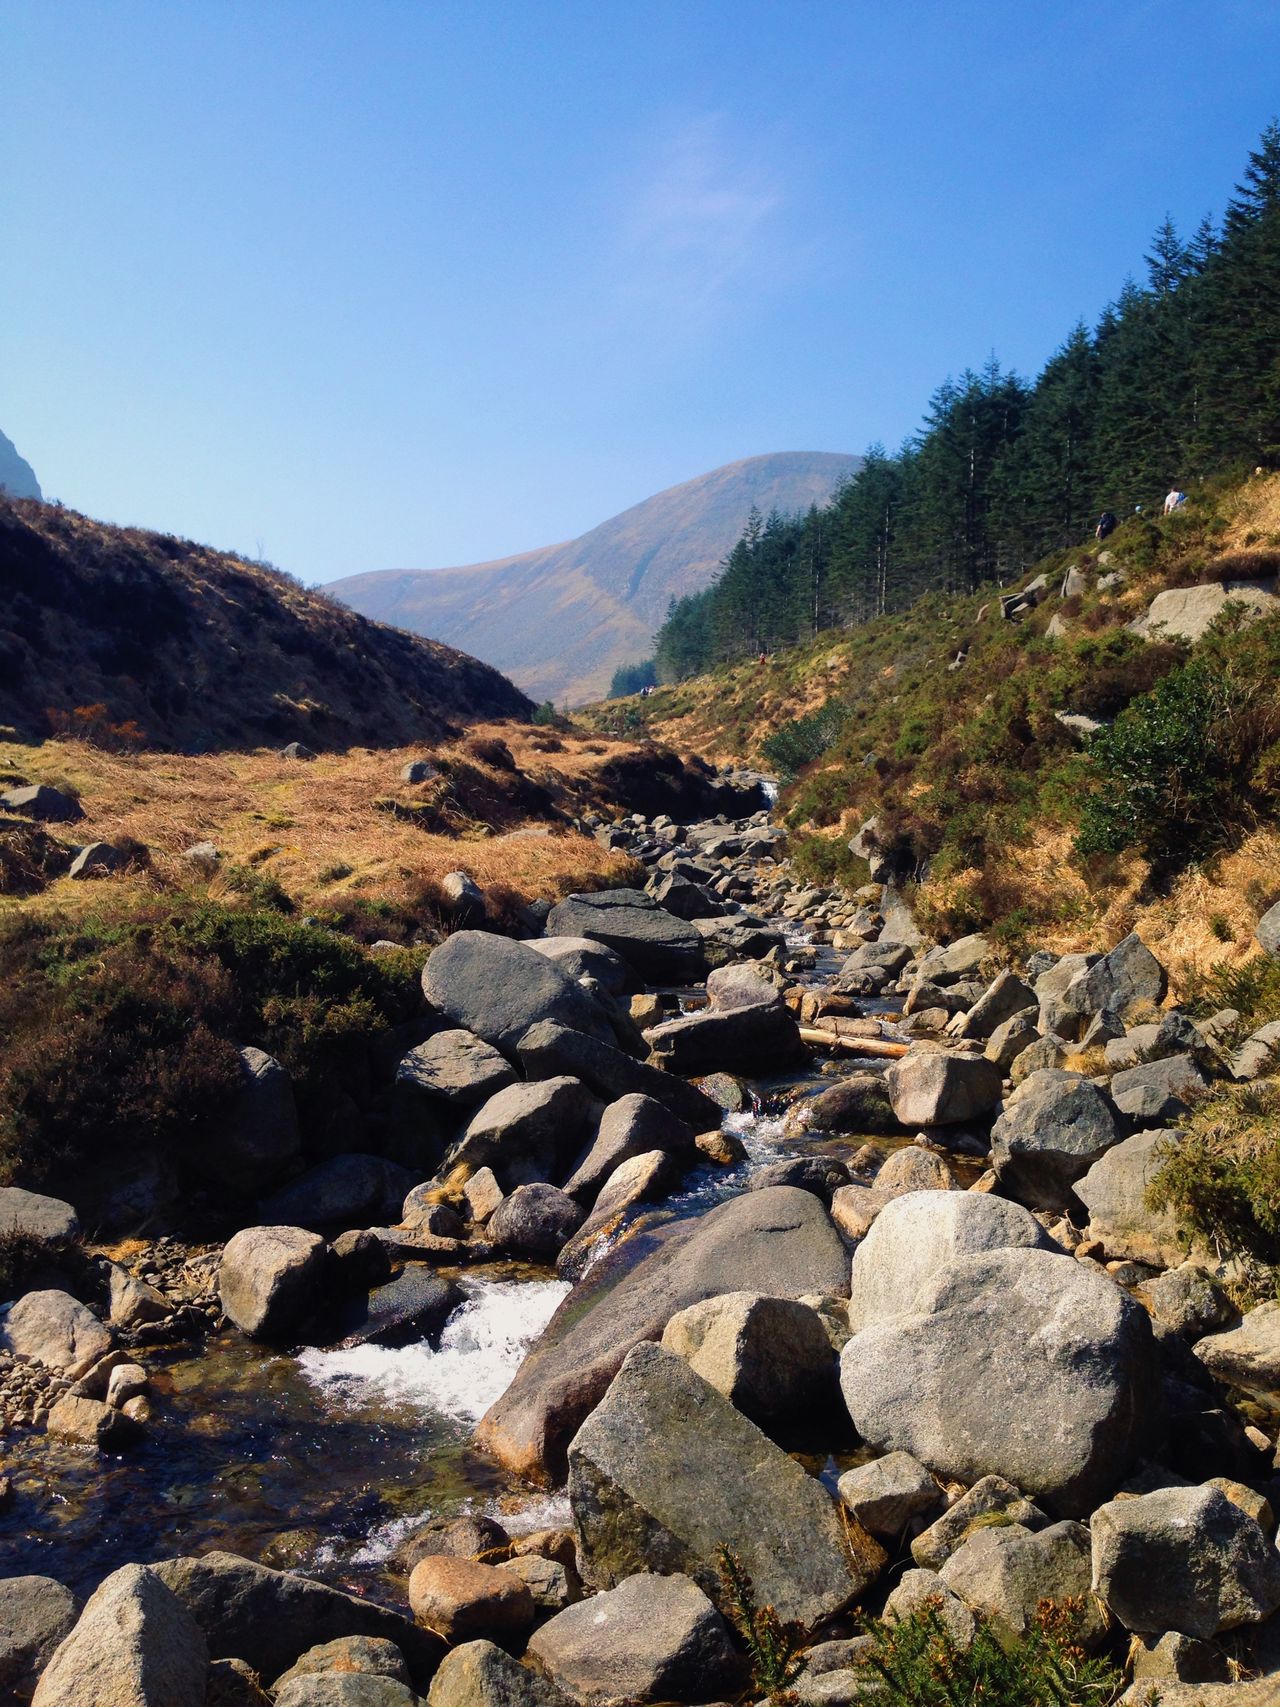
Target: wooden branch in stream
[{"x": 852, "y": 1045}]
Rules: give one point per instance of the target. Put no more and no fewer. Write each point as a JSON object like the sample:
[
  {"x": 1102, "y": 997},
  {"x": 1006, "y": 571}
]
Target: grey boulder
[
  {"x": 269, "y": 1618},
  {"x": 1247, "y": 1356},
  {"x": 549, "y": 1049},
  {"x": 665, "y": 1472},
  {"x": 916, "y": 1236},
  {"x": 1114, "y": 1191},
  {"x": 454, "y": 1067},
  {"x": 887, "y": 1494},
  {"x": 35, "y": 1216},
  {"x": 770, "y": 1357},
  {"x": 1005, "y": 1572},
  {"x": 1015, "y": 1363},
  {"x": 498, "y": 988},
  {"x": 1183, "y": 1559},
  {"x": 1157, "y": 1092},
  {"x": 652, "y": 1639},
  {"x": 134, "y": 1645},
  {"x": 657, "y": 945},
  {"x": 938, "y": 1089},
  {"x": 480, "y": 1674},
  {"x": 351, "y": 1190},
  {"x": 55, "y": 1329},
  {"x": 535, "y": 1222},
  {"x": 990, "y": 1502},
  {"x": 1054, "y": 1127},
  {"x": 781, "y": 1242},
  {"x": 646, "y": 1178},
  {"x": 582, "y": 958},
  {"x": 270, "y": 1278},
  {"x": 745, "y": 1028},
  {"x": 36, "y": 1614},
  {"x": 631, "y": 1126},
  {"x": 528, "y": 1132}
]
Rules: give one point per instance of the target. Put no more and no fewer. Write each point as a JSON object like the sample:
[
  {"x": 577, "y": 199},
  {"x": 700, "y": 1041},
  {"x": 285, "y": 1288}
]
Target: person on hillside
[
  {"x": 1107, "y": 524},
  {"x": 1173, "y": 500}
]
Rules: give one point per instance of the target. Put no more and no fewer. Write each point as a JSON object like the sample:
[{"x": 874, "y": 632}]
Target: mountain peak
[
  {"x": 17, "y": 477},
  {"x": 560, "y": 619}
]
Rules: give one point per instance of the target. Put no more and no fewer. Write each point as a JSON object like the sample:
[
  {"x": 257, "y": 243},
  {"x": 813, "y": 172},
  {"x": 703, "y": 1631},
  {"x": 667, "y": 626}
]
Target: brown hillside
[
  {"x": 160, "y": 642},
  {"x": 561, "y": 619}
]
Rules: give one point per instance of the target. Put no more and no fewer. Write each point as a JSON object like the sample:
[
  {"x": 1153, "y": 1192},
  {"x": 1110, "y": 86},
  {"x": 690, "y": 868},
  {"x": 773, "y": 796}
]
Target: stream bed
[{"x": 322, "y": 1461}]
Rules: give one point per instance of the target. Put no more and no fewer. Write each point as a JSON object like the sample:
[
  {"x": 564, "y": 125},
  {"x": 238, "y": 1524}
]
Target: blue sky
[{"x": 360, "y": 286}]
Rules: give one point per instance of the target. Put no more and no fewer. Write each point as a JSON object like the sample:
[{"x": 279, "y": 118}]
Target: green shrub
[
  {"x": 772, "y": 1646},
  {"x": 1222, "y": 1179},
  {"x": 1252, "y": 989},
  {"x": 118, "y": 1032},
  {"x": 917, "y": 1662},
  {"x": 798, "y": 743},
  {"x": 826, "y": 859},
  {"x": 1167, "y": 770}
]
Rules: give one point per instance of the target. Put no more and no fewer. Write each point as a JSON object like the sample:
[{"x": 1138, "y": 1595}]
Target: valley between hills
[{"x": 760, "y": 1191}]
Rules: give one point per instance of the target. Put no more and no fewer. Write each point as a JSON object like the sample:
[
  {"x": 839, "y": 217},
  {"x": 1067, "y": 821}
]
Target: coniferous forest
[{"x": 1179, "y": 380}]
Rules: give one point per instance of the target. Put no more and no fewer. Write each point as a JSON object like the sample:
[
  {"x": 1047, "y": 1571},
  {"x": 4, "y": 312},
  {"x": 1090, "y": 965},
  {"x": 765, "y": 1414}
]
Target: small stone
[
  {"x": 88, "y": 1422},
  {"x": 889, "y": 1493},
  {"x": 990, "y": 1500}
]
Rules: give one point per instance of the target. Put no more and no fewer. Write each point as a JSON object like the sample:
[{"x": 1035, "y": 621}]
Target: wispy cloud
[{"x": 697, "y": 234}]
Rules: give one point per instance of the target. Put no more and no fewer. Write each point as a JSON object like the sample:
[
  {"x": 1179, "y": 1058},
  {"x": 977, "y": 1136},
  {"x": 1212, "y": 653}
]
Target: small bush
[
  {"x": 1222, "y": 1179},
  {"x": 917, "y": 1662},
  {"x": 826, "y": 859},
  {"x": 794, "y": 745}
]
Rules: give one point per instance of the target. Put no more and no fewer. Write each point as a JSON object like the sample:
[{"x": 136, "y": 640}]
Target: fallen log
[{"x": 852, "y": 1045}]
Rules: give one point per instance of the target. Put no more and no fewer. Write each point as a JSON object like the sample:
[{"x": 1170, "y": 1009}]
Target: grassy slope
[
  {"x": 343, "y": 831},
  {"x": 969, "y": 767},
  {"x": 198, "y": 651}
]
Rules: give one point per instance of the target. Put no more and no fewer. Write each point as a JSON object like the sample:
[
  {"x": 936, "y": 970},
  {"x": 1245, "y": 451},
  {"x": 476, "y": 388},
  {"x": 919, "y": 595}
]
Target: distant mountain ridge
[
  {"x": 559, "y": 620},
  {"x": 17, "y": 477},
  {"x": 139, "y": 636}
]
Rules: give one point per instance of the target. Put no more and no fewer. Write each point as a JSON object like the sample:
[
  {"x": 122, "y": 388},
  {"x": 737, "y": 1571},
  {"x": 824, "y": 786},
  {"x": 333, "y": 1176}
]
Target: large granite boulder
[
  {"x": 461, "y": 1599},
  {"x": 935, "y": 1088},
  {"x": 453, "y": 1067},
  {"x": 1016, "y": 1363},
  {"x": 646, "y": 1178},
  {"x": 535, "y": 1222},
  {"x": 351, "y": 1190},
  {"x": 134, "y": 1645},
  {"x": 1054, "y": 1127},
  {"x": 659, "y": 947},
  {"x": 916, "y": 1236},
  {"x": 770, "y": 1357},
  {"x": 1247, "y": 1356},
  {"x": 549, "y": 1049},
  {"x": 45, "y": 804},
  {"x": 413, "y": 1306},
  {"x": 665, "y": 1472},
  {"x": 652, "y": 1639},
  {"x": 781, "y": 1242},
  {"x": 55, "y": 1329},
  {"x": 746, "y": 1028},
  {"x": 959, "y": 959},
  {"x": 1127, "y": 981},
  {"x": 1114, "y": 1191},
  {"x": 582, "y": 958},
  {"x": 1006, "y": 1571},
  {"x": 257, "y": 1138},
  {"x": 1157, "y": 1093},
  {"x": 37, "y": 1217},
  {"x": 1002, "y": 1000},
  {"x": 270, "y": 1278},
  {"x": 528, "y": 1132},
  {"x": 269, "y": 1618},
  {"x": 631, "y": 1126},
  {"x": 1185, "y": 1559},
  {"x": 36, "y": 1614},
  {"x": 498, "y": 988}
]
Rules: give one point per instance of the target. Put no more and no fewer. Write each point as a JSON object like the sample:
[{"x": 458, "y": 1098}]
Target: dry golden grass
[
  {"x": 1253, "y": 516},
  {"x": 314, "y": 827}
]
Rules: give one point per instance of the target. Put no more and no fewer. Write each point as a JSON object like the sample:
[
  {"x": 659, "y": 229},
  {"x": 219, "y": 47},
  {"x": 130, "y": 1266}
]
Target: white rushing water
[{"x": 482, "y": 1346}]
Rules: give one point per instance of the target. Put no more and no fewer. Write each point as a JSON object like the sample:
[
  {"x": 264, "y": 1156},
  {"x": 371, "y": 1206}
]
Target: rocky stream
[{"x": 723, "y": 1220}]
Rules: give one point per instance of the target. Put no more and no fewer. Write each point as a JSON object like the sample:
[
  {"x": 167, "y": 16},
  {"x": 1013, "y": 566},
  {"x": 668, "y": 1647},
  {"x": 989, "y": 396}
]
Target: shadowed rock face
[{"x": 560, "y": 620}]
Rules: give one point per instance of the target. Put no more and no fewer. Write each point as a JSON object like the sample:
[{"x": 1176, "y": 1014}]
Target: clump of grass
[
  {"x": 917, "y": 1662},
  {"x": 1222, "y": 1179},
  {"x": 1252, "y": 988},
  {"x": 772, "y": 1646}
]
